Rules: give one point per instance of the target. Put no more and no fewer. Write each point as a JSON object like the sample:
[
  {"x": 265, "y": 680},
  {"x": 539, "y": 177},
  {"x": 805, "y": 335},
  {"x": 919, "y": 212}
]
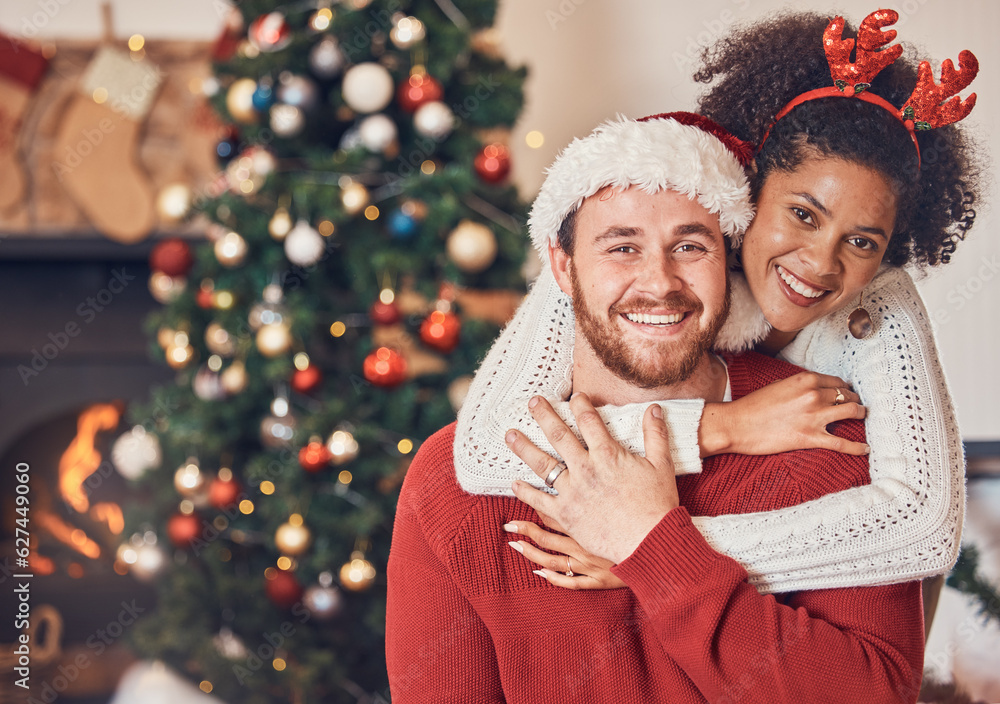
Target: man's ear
[{"x": 561, "y": 263}]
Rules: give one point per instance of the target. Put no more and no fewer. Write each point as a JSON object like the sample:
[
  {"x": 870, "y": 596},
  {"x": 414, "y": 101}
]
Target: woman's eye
[
  {"x": 802, "y": 214},
  {"x": 864, "y": 243}
]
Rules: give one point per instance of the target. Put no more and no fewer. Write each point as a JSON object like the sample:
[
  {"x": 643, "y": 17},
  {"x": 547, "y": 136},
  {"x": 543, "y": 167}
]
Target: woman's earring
[{"x": 860, "y": 322}]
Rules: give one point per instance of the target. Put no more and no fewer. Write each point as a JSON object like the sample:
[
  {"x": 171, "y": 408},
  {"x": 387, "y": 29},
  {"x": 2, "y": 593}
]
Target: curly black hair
[{"x": 759, "y": 68}]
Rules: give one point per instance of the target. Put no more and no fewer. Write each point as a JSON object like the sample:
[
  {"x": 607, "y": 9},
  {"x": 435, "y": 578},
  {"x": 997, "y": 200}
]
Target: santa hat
[{"x": 679, "y": 151}]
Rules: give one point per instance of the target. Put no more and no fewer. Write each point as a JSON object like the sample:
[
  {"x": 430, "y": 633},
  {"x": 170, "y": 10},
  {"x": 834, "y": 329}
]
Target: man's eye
[
  {"x": 686, "y": 248},
  {"x": 624, "y": 248}
]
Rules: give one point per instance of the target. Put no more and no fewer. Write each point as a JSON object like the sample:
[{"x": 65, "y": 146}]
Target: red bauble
[
  {"x": 183, "y": 529},
  {"x": 204, "y": 298},
  {"x": 440, "y": 331},
  {"x": 307, "y": 380},
  {"x": 416, "y": 90},
  {"x": 282, "y": 588},
  {"x": 384, "y": 313},
  {"x": 270, "y": 32},
  {"x": 223, "y": 494},
  {"x": 385, "y": 367},
  {"x": 314, "y": 457},
  {"x": 492, "y": 163},
  {"x": 172, "y": 257}
]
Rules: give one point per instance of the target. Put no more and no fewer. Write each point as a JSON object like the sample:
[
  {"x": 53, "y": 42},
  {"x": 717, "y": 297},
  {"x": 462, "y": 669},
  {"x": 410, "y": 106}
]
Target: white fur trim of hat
[{"x": 654, "y": 154}]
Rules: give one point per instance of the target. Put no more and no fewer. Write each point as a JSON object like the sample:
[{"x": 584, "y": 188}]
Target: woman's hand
[
  {"x": 791, "y": 414},
  {"x": 571, "y": 567},
  {"x": 609, "y": 500}
]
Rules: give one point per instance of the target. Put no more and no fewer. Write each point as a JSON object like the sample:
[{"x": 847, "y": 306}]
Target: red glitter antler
[
  {"x": 925, "y": 107},
  {"x": 857, "y": 76}
]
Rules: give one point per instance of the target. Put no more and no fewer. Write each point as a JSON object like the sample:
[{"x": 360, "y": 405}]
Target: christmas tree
[{"x": 363, "y": 249}]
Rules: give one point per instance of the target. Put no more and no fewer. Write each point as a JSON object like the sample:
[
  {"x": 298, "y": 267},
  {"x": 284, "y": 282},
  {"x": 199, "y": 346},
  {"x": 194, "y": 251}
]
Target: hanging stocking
[
  {"x": 97, "y": 143},
  {"x": 21, "y": 70}
]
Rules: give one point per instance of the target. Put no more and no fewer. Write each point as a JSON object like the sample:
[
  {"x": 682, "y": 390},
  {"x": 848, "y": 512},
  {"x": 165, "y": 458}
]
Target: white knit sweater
[{"x": 905, "y": 525}]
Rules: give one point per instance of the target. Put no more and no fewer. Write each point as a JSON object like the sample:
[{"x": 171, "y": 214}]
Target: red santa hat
[{"x": 679, "y": 151}]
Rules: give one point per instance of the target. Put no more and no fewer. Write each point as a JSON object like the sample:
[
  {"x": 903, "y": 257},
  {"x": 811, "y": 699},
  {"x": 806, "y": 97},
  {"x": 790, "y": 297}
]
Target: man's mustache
[{"x": 678, "y": 302}]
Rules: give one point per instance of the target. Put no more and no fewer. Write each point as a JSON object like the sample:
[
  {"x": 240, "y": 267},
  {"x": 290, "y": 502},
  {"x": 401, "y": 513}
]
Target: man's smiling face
[{"x": 648, "y": 282}]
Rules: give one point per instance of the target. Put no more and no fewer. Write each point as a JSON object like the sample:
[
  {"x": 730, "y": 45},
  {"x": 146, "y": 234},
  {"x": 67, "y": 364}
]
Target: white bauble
[
  {"x": 377, "y": 132},
  {"x": 472, "y": 246},
  {"x": 136, "y": 452},
  {"x": 367, "y": 87},
  {"x": 325, "y": 59},
  {"x": 303, "y": 245},
  {"x": 207, "y": 385},
  {"x": 149, "y": 562},
  {"x": 174, "y": 202},
  {"x": 323, "y": 602},
  {"x": 287, "y": 120},
  {"x": 434, "y": 119}
]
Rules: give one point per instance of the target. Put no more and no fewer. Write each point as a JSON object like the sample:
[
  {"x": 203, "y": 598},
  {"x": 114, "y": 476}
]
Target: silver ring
[
  {"x": 569, "y": 568},
  {"x": 840, "y": 397},
  {"x": 554, "y": 473}
]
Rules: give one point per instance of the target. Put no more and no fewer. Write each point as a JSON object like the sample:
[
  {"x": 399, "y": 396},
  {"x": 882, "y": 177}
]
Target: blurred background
[{"x": 174, "y": 370}]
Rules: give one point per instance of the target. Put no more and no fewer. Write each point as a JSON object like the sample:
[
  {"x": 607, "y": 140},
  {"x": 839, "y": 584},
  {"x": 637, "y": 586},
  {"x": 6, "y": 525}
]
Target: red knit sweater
[{"x": 467, "y": 621}]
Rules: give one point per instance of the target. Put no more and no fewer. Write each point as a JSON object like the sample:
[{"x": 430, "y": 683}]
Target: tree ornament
[
  {"x": 314, "y": 456},
  {"x": 298, "y": 91},
  {"x": 207, "y": 385},
  {"x": 263, "y": 96},
  {"x": 307, "y": 380},
  {"x": 384, "y": 311},
  {"x": 239, "y": 100},
  {"x": 277, "y": 431},
  {"x": 324, "y": 603},
  {"x": 406, "y": 32},
  {"x": 234, "y": 378},
  {"x": 145, "y": 561},
  {"x": 229, "y": 645},
  {"x": 458, "y": 389},
  {"x": 342, "y": 446},
  {"x": 377, "y": 132},
  {"x": 492, "y": 163},
  {"x": 472, "y": 246},
  {"x": 136, "y": 452},
  {"x": 385, "y": 367},
  {"x": 218, "y": 340},
  {"x": 280, "y": 224},
  {"x": 293, "y": 538},
  {"x": 287, "y": 120},
  {"x": 183, "y": 529},
  {"x": 165, "y": 289},
  {"x": 205, "y": 297},
  {"x": 224, "y": 493},
  {"x": 402, "y": 226},
  {"x": 367, "y": 87},
  {"x": 418, "y": 89},
  {"x": 227, "y": 147},
  {"x": 434, "y": 120},
  {"x": 189, "y": 479},
  {"x": 274, "y": 339},
  {"x": 354, "y": 197},
  {"x": 171, "y": 257},
  {"x": 173, "y": 202},
  {"x": 179, "y": 356},
  {"x": 270, "y": 310},
  {"x": 282, "y": 588},
  {"x": 231, "y": 249},
  {"x": 320, "y": 20},
  {"x": 304, "y": 245},
  {"x": 326, "y": 59},
  {"x": 269, "y": 33},
  {"x": 358, "y": 574},
  {"x": 440, "y": 330}
]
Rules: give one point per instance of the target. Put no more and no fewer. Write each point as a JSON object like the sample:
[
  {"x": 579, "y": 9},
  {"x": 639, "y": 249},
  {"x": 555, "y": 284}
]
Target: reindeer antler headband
[{"x": 925, "y": 109}]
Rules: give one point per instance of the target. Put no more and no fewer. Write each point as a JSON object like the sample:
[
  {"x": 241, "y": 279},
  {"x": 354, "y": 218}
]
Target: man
[{"x": 641, "y": 209}]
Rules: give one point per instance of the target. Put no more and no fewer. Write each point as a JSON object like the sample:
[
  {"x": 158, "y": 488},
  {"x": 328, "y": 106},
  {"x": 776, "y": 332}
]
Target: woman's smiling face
[{"x": 817, "y": 240}]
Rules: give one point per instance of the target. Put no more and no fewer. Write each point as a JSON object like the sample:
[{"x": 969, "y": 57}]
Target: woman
[{"x": 806, "y": 263}]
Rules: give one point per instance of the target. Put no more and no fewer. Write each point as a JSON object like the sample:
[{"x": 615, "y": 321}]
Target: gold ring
[
  {"x": 840, "y": 397},
  {"x": 569, "y": 568}
]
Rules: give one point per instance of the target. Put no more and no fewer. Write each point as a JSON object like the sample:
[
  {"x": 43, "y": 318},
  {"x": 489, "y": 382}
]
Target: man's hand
[{"x": 609, "y": 500}]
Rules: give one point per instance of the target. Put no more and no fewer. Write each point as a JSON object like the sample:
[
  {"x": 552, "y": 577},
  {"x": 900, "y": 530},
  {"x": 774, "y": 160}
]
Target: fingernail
[
  {"x": 517, "y": 546},
  {"x": 657, "y": 411},
  {"x": 539, "y": 573},
  {"x": 533, "y": 402},
  {"x": 510, "y": 437},
  {"x": 868, "y": 449},
  {"x": 510, "y": 527},
  {"x": 574, "y": 395}
]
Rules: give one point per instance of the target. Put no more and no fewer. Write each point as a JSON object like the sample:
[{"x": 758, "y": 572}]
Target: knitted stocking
[
  {"x": 21, "y": 70},
  {"x": 97, "y": 142}
]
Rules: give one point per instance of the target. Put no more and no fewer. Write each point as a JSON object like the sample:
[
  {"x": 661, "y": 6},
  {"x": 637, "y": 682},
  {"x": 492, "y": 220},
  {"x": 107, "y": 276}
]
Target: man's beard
[{"x": 651, "y": 365}]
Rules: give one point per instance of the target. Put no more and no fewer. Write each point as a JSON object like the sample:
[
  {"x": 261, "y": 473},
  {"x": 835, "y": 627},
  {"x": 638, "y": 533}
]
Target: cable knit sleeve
[
  {"x": 534, "y": 356},
  {"x": 907, "y": 524}
]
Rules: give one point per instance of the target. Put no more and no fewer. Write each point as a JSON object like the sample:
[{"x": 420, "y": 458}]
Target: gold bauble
[
  {"x": 234, "y": 378},
  {"x": 218, "y": 340},
  {"x": 358, "y": 574},
  {"x": 354, "y": 196},
  {"x": 231, "y": 249},
  {"x": 179, "y": 356},
  {"x": 173, "y": 202},
  {"x": 239, "y": 100},
  {"x": 292, "y": 538},
  {"x": 472, "y": 246},
  {"x": 280, "y": 225},
  {"x": 274, "y": 339},
  {"x": 189, "y": 480},
  {"x": 166, "y": 289}
]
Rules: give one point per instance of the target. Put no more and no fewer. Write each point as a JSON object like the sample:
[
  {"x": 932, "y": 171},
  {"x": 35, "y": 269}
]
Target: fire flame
[{"x": 81, "y": 458}]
